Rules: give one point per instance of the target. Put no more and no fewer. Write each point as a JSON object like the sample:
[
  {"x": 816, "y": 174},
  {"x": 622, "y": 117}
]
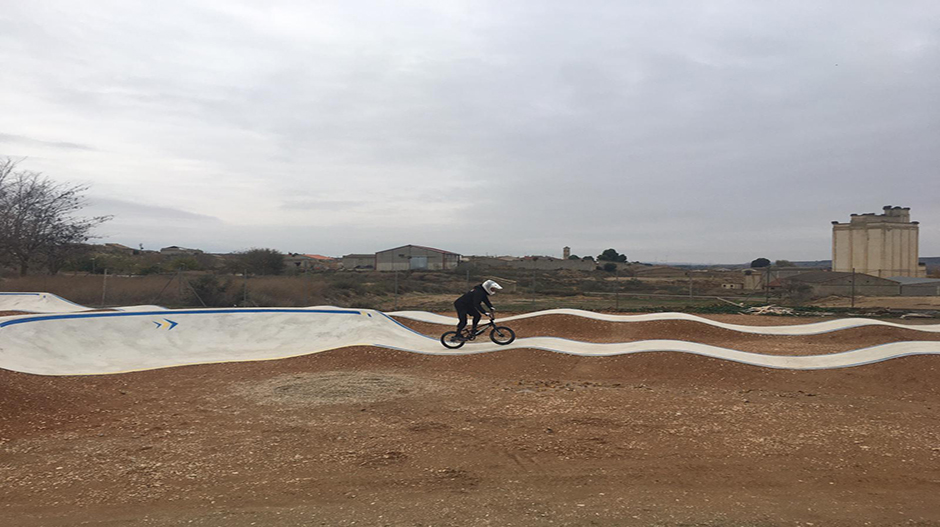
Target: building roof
[
  {"x": 828, "y": 277},
  {"x": 318, "y": 257},
  {"x": 908, "y": 280},
  {"x": 359, "y": 256},
  {"x": 420, "y": 247}
]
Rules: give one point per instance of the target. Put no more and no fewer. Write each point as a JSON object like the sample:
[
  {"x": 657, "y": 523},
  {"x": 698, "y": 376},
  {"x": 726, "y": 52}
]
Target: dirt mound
[
  {"x": 347, "y": 387},
  {"x": 589, "y": 330}
]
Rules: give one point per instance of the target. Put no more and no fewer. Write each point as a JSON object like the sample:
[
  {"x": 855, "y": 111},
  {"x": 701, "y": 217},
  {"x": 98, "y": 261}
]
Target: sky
[{"x": 672, "y": 131}]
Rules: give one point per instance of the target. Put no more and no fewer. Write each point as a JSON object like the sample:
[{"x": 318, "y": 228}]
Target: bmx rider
[{"x": 471, "y": 303}]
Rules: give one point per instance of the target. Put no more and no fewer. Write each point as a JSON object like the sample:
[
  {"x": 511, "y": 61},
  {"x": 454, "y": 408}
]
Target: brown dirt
[
  {"x": 11, "y": 313},
  {"x": 579, "y": 328},
  {"x": 522, "y": 437}
]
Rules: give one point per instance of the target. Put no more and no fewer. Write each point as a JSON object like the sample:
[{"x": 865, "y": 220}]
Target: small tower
[{"x": 566, "y": 252}]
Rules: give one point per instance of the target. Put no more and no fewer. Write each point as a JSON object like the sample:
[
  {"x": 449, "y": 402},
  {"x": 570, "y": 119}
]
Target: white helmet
[{"x": 491, "y": 287}]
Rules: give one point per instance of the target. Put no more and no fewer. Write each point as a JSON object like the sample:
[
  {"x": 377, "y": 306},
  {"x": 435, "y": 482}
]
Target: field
[
  {"x": 653, "y": 288},
  {"x": 367, "y": 436}
]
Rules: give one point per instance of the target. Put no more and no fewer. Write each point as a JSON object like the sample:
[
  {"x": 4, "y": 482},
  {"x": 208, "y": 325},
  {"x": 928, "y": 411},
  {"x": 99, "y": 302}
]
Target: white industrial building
[{"x": 883, "y": 245}]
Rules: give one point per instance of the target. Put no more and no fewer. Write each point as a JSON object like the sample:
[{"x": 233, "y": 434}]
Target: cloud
[
  {"x": 18, "y": 139},
  {"x": 706, "y": 131}
]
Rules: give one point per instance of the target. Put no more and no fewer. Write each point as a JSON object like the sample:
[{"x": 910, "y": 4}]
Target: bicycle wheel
[
  {"x": 450, "y": 340},
  {"x": 502, "y": 335}
]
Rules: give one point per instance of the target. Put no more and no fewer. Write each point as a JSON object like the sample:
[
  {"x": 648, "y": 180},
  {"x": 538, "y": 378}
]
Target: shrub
[{"x": 213, "y": 291}]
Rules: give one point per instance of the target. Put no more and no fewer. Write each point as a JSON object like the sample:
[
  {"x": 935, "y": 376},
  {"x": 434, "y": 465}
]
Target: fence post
[
  {"x": 853, "y": 287},
  {"x": 534, "y": 260},
  {"x": 306, "y": 288},
  {"x": 767, "y": 284},
  {"x": 617, "y": 290}
]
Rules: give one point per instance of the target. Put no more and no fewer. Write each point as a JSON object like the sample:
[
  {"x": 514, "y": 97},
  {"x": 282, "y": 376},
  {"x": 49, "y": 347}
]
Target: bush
[
  {"x": 261, "y": 262},
  {"x": 213, "y": 291}
]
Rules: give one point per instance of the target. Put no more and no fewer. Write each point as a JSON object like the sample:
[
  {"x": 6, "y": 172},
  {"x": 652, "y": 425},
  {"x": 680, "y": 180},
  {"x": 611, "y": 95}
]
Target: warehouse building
[
  {"x": 825, "y": 283},
  {"x": 911, "y": 286},
  {"x": 409, "y": 257}
]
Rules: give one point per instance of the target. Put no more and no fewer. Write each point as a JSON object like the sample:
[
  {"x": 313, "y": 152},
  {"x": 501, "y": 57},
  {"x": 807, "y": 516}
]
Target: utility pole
[
  {"x": 104, "y": 286},
  {"x": 245, "y": 289},
  {"x": 396, "y": 290},
  {"x": 690, "y": 283}
]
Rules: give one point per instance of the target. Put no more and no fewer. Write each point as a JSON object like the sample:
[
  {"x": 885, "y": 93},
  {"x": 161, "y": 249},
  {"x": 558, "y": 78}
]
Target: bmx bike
[{"x": 498, "y": 334}]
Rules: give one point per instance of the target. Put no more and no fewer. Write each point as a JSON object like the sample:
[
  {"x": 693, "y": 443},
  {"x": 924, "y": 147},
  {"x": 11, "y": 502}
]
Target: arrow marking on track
[{"x": 169, "y": 324}]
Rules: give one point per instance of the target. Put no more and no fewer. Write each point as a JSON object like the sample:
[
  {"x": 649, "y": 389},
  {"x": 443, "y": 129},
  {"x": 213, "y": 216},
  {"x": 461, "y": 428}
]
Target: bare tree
[{"x": 38, "y": 217}]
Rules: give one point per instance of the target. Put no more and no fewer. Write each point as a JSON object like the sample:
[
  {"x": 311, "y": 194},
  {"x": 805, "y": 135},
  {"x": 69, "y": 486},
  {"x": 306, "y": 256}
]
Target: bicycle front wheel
[
  {"x": 450, "y": 340},
  {"x": 502, "y": 335}
]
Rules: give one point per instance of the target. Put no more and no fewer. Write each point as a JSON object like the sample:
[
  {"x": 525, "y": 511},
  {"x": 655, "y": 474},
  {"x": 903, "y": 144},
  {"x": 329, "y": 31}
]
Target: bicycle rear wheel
[
  {"x": 450, "y": 340},
  {"x": 502, "y": 335}
]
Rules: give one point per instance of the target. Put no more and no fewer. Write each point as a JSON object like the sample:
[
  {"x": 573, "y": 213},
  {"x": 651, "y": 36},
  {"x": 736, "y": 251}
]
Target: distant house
[
  {"x": 314, "y": 262},
  {"x": 122, "y": 249},
  {"x": 358, "y": 261},
  {"x": 758, "y": 277},
  {"x": 174, "y": 250}
]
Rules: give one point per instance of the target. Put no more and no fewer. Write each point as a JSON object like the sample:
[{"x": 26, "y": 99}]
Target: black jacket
[{"x": 472, "y": 299}]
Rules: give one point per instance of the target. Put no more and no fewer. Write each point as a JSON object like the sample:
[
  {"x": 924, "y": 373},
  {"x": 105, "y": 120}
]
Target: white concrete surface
[
  {"x": 30, "y": 302},
  {"x": 814, "y": 328},
  {"x": 115, "y": 342},
  {"x": 37, "y": 303}
]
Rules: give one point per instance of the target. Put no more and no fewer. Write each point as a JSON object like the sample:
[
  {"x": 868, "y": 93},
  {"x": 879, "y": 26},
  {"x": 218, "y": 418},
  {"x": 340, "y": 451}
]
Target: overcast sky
[{"x": 711, "y": 132}]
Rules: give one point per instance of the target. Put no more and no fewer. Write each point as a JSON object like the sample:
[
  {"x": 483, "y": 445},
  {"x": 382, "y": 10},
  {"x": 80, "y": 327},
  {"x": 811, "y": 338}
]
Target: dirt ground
[{"x": 366, "y": 436}]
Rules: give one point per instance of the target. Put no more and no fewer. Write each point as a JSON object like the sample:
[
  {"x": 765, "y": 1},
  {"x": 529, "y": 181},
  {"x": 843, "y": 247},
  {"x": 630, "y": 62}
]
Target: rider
[{"x": 472, "y": 303}]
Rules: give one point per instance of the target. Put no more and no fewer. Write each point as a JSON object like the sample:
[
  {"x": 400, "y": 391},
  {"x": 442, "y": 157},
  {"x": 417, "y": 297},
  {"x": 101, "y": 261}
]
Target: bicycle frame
[{"x": 471, "y": 335}]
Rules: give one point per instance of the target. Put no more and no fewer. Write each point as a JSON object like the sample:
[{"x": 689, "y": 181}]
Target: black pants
[{"x": 462, "y": 311}]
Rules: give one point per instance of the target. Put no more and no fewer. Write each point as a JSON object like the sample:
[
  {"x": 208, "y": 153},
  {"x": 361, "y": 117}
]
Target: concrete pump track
[{"x": 69, "y": 340}]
